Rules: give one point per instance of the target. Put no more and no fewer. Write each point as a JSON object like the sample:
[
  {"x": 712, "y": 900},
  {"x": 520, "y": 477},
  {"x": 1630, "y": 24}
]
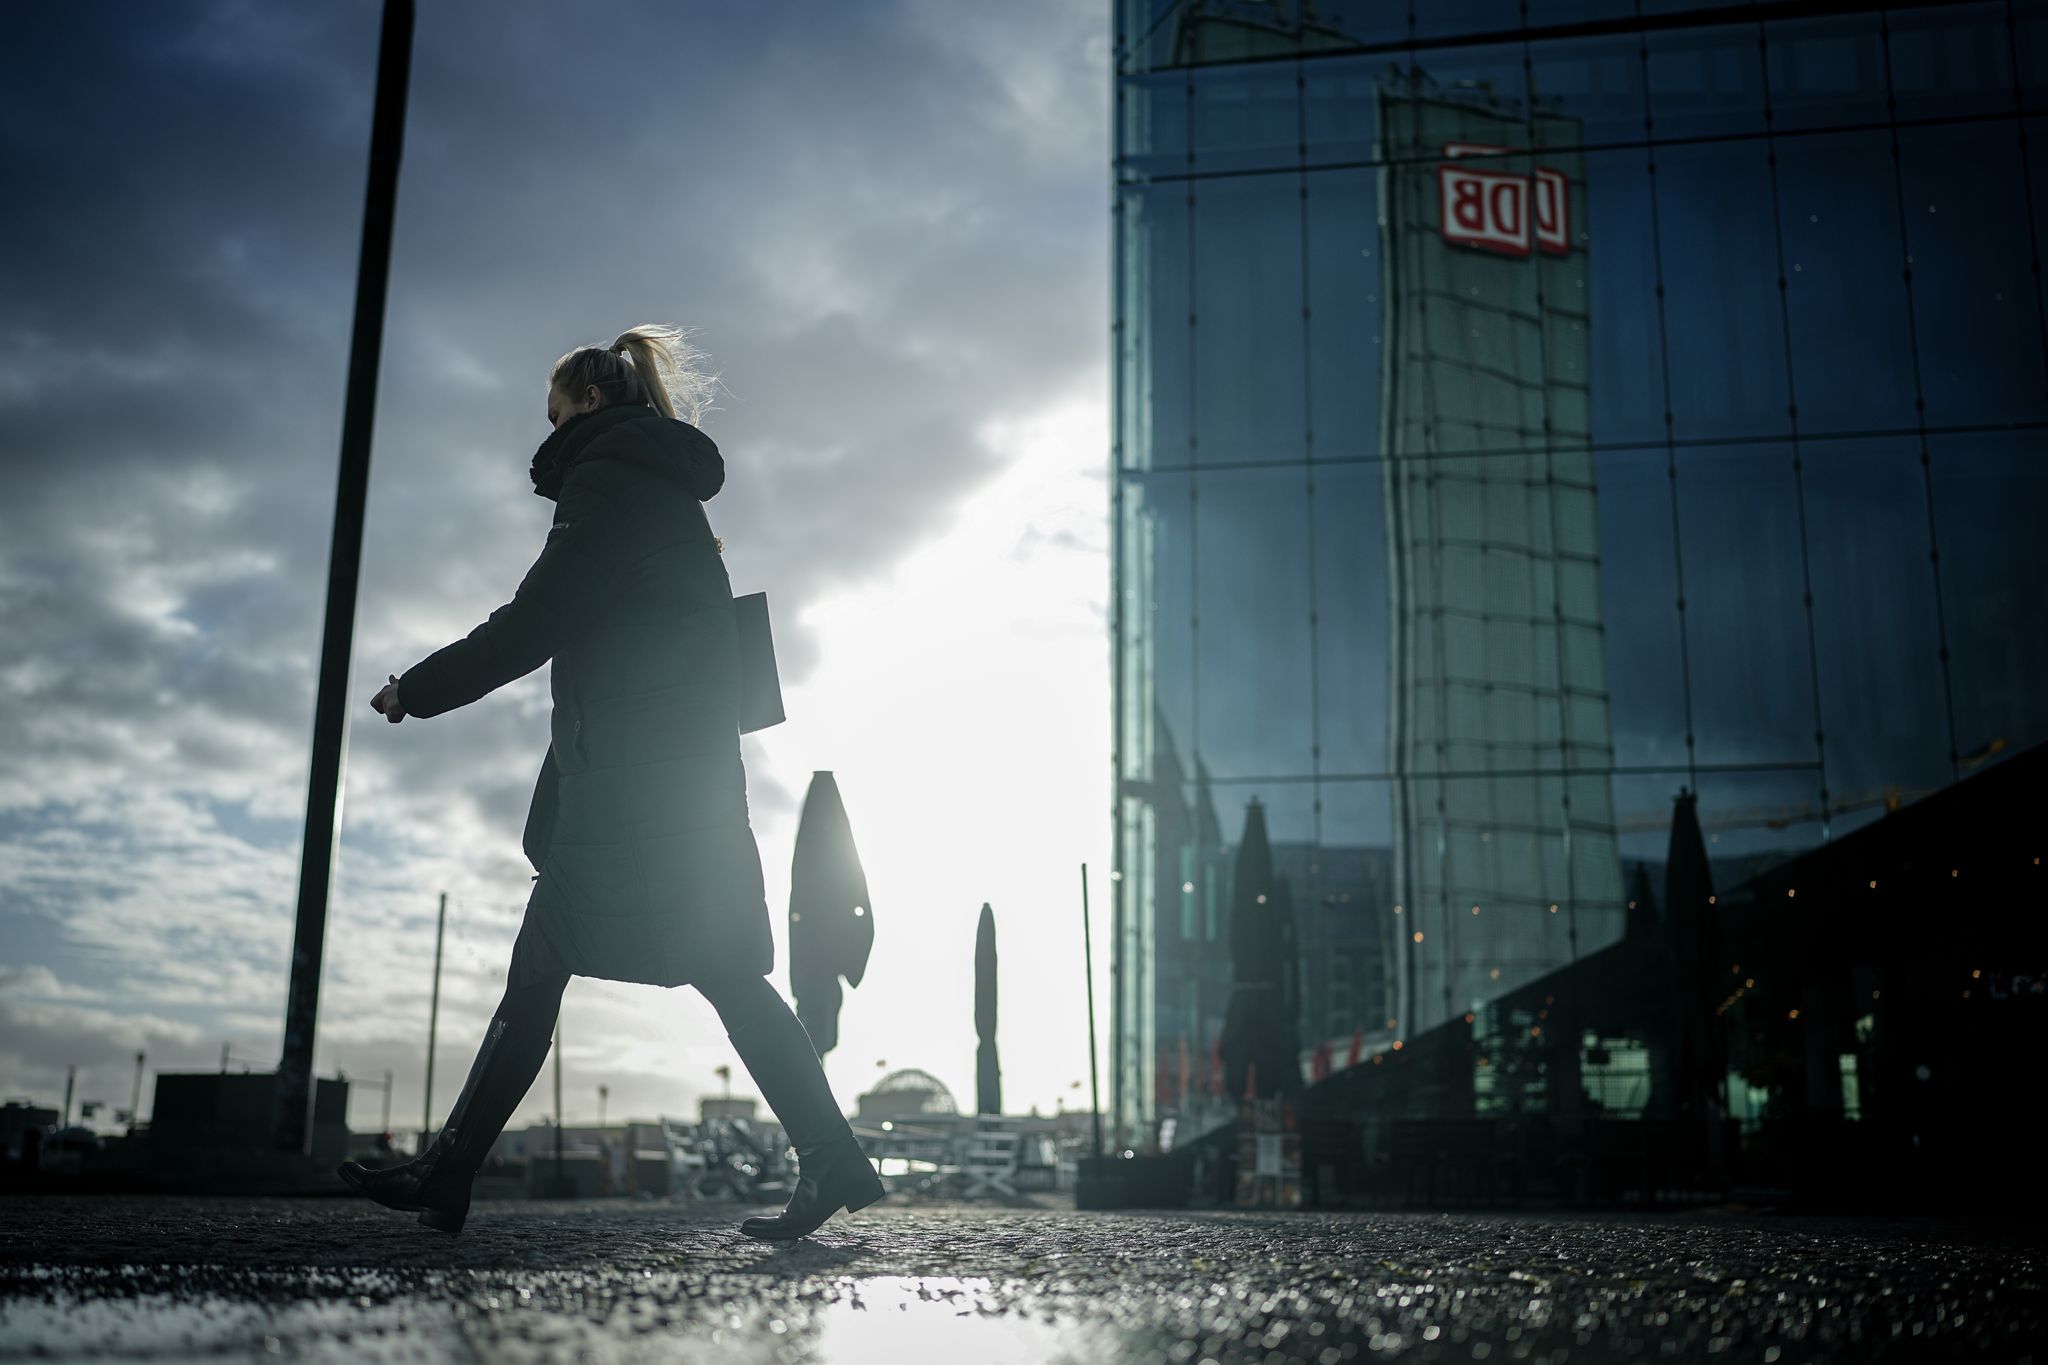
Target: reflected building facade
[
  {"x": 1518, "y": 424},
  {"x": 1504, "y": 854}
]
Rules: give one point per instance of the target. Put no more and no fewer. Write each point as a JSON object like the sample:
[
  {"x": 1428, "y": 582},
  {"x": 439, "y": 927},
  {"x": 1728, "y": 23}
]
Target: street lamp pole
[
  {"x": 433, "y": 1024},
  {"x": 1088, "y": 967},
  {"x": 561, "y": 1184},
  {"x": 293, "y": 1127}
]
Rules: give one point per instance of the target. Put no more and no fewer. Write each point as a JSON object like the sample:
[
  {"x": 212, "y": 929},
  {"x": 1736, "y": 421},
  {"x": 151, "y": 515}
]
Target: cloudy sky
[{"x": 887, "y": 222}]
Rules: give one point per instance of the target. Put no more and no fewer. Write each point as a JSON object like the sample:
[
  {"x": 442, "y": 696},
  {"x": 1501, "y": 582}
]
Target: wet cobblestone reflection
[{"x": 331, "y": 1280}]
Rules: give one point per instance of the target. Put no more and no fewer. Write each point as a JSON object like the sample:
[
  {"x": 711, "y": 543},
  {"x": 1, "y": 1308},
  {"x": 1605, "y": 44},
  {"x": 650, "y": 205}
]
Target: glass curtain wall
[{"x": 1518, "y": 423}]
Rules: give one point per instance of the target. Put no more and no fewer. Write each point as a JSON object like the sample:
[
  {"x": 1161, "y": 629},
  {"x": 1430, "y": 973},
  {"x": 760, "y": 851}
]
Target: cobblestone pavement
[{"x": 183, "y": 1279}]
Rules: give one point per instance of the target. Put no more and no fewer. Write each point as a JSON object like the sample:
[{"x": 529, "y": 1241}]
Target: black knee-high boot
[
  {"x": 833, "y": 1173},
  {"x": 436, "y": 1183}
]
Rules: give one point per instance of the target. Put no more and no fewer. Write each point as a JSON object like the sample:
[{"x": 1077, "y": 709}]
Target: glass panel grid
[{"x": 1466, "y": 559}]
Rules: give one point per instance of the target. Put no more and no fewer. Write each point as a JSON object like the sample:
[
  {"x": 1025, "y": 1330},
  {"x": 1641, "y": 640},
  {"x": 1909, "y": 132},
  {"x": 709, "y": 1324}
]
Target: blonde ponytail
[{"x": 650, "y": 364}]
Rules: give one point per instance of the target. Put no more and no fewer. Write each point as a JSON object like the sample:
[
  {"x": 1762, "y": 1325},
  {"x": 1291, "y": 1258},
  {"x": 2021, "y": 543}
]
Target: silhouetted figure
[{"x": 646, "y": 862}]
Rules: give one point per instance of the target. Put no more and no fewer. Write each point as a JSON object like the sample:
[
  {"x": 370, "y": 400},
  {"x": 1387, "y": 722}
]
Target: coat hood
[{"x": 635, "y": 434}]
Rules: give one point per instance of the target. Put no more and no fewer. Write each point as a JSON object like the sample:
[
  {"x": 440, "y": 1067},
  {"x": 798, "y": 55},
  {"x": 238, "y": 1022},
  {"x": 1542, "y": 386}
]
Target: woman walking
[{"x": 647, "y": 868}]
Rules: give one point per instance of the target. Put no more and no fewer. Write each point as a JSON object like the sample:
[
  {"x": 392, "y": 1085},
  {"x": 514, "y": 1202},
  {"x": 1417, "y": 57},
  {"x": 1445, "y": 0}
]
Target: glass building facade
[{"x": 1526, "y": 413}]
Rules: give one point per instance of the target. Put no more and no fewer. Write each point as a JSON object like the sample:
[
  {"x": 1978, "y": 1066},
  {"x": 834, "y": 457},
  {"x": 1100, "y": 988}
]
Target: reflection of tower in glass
[{"x": 1498, "y": 668}]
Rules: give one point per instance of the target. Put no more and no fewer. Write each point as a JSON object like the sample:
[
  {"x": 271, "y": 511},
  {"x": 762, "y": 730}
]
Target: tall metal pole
[
  {"x": 70, "y": 1084},
  {"x": 1088, "y": 966},
  {"x": 135, "y": 1099},
  {"x": 433, "y": 1024},
  {"x": 1118, "y": 397},
  {"x": 561, "y": 1186},
  {"x": 294, "y": 1128},
  {"x": 1118, "y": 1007}
]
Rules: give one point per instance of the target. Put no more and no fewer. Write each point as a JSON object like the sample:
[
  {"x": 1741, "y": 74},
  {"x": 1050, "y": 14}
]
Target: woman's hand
[{"x": 387, "y": 703}]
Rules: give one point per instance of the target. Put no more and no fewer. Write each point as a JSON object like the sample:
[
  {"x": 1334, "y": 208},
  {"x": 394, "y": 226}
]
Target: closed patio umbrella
[
  {"x": 1694, "y": 927},
  {"x": 1258, "y": 1044},
  {"x": 988, "y": 1073},
  {"x": 831, "y": 922}
]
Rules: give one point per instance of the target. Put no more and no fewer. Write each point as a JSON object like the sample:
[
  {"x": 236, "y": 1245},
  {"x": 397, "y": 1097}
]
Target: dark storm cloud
[{"x": 881, "y": 219}]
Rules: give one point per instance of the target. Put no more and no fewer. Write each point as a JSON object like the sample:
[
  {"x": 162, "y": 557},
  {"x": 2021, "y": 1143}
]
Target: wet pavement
[{"x": 249, "y": 1279}]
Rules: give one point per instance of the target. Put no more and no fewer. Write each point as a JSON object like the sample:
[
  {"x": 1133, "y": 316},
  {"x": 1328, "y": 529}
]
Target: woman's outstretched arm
[{"x": 578, "y": 568}]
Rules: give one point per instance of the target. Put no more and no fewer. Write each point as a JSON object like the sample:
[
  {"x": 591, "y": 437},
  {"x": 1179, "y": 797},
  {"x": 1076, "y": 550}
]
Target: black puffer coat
[{"x": 639, "y": 831}]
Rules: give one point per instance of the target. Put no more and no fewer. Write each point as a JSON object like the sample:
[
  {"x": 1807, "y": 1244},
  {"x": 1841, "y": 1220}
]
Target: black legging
[
  {"x": 766, "y": 1033},
  {"x": 770, "y": 1040},
  {"x": 533, "y": 1007}
]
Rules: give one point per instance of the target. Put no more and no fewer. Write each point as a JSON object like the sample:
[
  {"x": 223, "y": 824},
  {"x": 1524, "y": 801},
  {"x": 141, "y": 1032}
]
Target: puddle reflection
[
  {"x": 941, "y": 1317},
  {"x": 844, "y": 1321}
]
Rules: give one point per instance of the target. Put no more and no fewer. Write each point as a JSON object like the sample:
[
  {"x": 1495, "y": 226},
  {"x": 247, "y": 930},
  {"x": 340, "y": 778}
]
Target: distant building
[
  {"x": 907, "y": 1094},
  {"x": 713, "y": 1107},
  {"x": 19, "y": 1119},
  {"x": 1497, "y": 725},
  {"x": 1342, "y": 935},
  {"x": 205, "y": 1123},
  {"x": 619, "y": 1159}
]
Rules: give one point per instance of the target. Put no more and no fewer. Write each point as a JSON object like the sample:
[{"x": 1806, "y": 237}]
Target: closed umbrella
[
  {"x": 1260, "y": 1056},
  {"x": 1691, "y": 920},
  {"x": 831, "y": 921},
  {"x": 988, "y": 1074}
]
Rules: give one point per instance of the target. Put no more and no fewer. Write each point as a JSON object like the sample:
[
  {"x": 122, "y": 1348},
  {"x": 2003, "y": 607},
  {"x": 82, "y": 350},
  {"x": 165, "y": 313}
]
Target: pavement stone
[{"x": 342, "y": 1280}]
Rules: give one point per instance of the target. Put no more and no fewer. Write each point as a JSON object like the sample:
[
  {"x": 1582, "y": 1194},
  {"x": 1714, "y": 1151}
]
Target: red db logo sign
[{"x": 1503, "y": 211}]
